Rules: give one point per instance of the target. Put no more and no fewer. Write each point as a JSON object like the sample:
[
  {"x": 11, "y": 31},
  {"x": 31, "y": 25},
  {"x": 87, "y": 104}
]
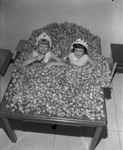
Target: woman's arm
[
  {"x": 55, "y": 58},
  {"x": 92, "y": 63},
  {"x": 29, "y": 61},
  {"x": 32, "y": 58}
]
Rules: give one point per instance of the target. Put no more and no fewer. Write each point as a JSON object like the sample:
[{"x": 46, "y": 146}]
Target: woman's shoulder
[
  {"x": 71, "y": 54},
  {"x": 85, "y": 56}
]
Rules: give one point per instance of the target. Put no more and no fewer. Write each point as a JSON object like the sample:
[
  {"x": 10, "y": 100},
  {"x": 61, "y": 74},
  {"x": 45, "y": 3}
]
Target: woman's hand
[
  {"x": 54, "y": 57},
  {"x": 40, "y": 57}
]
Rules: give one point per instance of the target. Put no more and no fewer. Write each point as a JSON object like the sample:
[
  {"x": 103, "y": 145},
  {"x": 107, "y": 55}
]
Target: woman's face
[
  {"x": 43, "y": 49},
  {"x": 78, "y": 52}
]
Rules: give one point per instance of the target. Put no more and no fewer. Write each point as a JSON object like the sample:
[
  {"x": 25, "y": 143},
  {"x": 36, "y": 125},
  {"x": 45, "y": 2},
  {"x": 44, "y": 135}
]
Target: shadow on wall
[{"x": 20, "y": 17}]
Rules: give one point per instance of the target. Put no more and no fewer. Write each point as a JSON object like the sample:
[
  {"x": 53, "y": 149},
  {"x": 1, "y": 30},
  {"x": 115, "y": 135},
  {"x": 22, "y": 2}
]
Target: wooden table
[{"x": 8, "y": 115}]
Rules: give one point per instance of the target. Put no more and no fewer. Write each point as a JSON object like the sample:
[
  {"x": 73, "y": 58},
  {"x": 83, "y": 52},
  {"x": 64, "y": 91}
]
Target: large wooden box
[
  {"x": 5, "y": 57},
  {"x": 117, "y": 55}
]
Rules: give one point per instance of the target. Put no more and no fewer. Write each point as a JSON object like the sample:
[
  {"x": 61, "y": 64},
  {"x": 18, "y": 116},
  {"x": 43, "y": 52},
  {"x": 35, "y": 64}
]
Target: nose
[{"x": 78, "y": 52}]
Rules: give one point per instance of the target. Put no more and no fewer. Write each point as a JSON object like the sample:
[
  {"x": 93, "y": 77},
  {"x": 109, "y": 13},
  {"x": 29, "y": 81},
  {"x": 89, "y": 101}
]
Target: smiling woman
[
  {"x": 42, "y": 53},
  {"x": 78, "y": 55}
]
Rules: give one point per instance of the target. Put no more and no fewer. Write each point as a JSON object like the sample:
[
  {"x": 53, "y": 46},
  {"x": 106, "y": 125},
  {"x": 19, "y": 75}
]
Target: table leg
[
  {"x": 95, "y": 138},
  {"x": 11, "y": 133}
]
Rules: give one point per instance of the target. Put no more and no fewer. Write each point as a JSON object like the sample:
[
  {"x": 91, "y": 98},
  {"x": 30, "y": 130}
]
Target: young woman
[
  {"x": 43, "y": 53},
  {"x": 78, "y": 55}
]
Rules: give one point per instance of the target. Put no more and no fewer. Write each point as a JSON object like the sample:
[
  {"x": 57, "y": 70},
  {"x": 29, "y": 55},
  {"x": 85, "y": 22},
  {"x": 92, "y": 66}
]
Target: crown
[
  {"x": 43, "y": 36},
  {"x": 80, "y": 41}
]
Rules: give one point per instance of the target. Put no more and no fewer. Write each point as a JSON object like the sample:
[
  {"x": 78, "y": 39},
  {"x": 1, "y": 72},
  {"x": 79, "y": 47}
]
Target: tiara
[
  {"x": 43, "y": 36},
  {"x": 80, "y": 41}
]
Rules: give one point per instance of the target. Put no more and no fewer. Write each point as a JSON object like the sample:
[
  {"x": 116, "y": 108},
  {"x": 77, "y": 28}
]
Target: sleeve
[
  {"x": 71, "y": 57},
  {"x": 83, "y": 60},
  {"x": 47, "y": 57},
  {"x": 35, "y": 53},
  {"x": 86, "y": 57}
]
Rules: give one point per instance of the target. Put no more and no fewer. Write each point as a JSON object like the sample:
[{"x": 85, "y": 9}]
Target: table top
[{"x": 44, "y": 118}]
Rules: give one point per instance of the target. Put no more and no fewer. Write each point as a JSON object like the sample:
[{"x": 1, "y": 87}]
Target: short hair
[{"x": 79, "y": 46}]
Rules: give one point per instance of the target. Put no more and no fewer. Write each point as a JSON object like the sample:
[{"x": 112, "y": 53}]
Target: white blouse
[
  {"x": 47, "y": 57},
  {"x": 78, "y": 61}
]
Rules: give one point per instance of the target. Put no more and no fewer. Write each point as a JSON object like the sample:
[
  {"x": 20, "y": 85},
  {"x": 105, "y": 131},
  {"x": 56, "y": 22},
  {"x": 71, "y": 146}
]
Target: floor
[{"x": 43, "y": 137}]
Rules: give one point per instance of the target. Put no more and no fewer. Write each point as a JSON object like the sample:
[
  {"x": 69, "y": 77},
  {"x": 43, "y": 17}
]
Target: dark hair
[
  {"x": 79, "y": 46},
  {"x": 44, "y": 42}
]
